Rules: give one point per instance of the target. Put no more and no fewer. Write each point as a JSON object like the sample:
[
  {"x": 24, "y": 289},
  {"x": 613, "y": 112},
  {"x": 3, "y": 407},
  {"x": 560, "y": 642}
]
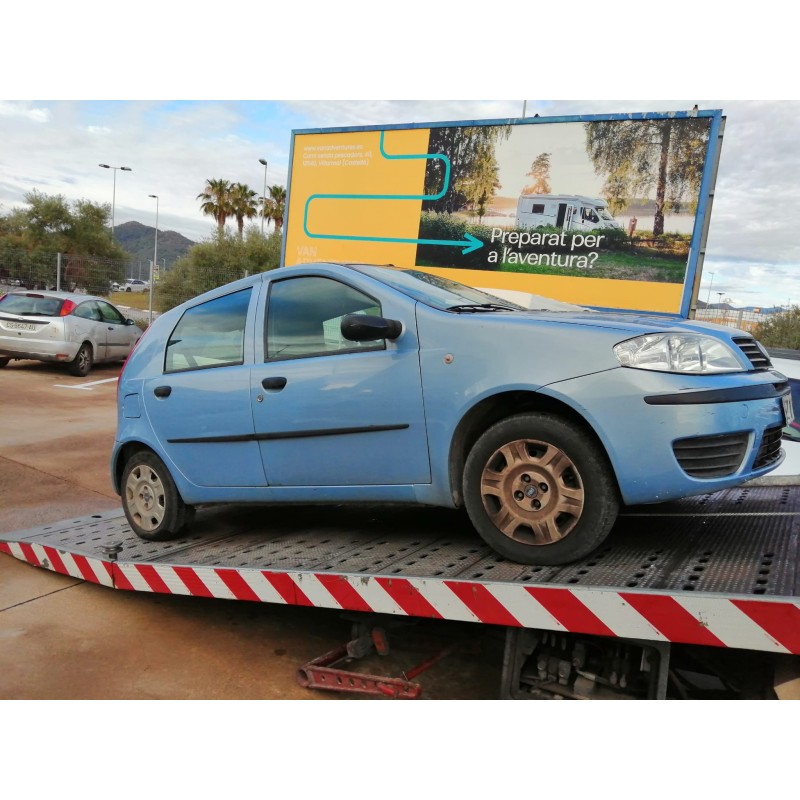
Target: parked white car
[
  {"x": 78, "y": 330},
  {"x": 134, "y": 285}
]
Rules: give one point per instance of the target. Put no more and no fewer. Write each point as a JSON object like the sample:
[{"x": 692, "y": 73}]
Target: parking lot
[{"x": 72, "y": 640}]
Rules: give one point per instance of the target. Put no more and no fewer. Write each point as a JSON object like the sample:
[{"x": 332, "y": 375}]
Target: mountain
[{"x": 138, "y": 240}]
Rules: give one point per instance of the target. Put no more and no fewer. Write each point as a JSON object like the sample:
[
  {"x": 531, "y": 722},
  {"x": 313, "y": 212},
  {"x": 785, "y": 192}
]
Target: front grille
[
  {"x": 755, "y": 355},
  {"x": 770, "y": 449},
  {"x": 711, "y": 456}
]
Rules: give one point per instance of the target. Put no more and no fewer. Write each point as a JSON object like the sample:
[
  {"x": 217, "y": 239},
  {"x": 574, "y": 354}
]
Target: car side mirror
[
  {"x": 365, "y": 328},
  {"x": 129, "y": 322}
]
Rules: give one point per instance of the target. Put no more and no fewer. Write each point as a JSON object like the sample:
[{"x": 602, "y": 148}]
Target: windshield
[
  {"x": 441, "y": 293},
  {"x": 31, "y": 305},
  {"x": 447, "y": 295}
]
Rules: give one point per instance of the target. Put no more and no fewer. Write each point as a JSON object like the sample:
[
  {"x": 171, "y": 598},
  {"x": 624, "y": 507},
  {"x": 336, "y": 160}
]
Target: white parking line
[{"x": 86, "y": 386}]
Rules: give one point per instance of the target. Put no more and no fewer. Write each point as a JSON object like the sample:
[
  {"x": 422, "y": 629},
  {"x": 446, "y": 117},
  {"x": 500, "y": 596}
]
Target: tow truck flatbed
[{"x": 718, "y": 570}]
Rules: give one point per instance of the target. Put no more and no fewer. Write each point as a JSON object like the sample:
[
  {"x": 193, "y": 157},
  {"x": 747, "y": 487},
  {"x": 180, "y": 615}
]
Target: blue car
[{"x": 330, "y": 383}]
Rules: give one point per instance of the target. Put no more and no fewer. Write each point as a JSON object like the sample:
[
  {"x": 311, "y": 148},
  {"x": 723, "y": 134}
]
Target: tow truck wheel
[
  {"x": 539, "y": 491},
  {"x": 150, "y": 499}
]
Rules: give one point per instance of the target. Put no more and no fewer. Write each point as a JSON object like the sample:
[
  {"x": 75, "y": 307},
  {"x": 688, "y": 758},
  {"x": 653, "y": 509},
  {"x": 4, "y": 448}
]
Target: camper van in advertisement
[{"x": 570, "y": 212}]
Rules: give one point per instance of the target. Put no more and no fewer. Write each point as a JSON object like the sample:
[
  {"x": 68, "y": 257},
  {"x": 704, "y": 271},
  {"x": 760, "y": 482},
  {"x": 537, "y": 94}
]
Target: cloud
[
  {"x": 24, "y": 111},
  {"x": 750, "y": 283}
]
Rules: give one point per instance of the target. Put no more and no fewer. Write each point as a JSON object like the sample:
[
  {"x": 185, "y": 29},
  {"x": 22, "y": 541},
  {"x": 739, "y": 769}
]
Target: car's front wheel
[
  {"x": 150, "y": 499},
  {"x": 4, "y": 362},
  {"x": 539, "y": 491}
]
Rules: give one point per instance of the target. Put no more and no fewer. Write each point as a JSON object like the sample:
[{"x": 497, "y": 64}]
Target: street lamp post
[
  {"x": 114, "y": 190},
  {"x": 708, "y": 298},
  {"x": 264, "y": 195},
  {"x": 154, "y": 261}
]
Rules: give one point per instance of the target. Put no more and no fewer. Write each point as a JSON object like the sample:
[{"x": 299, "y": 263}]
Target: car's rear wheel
[
  {"x": 150, "y": 499},
  {"x": 4, "y": 362},
  {"x": 539, "y": 491},
  {"x": 81, "y": 365}
]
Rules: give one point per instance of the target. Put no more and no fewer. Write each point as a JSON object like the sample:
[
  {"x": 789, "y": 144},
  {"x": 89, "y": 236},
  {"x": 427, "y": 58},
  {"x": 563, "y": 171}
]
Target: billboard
[{"x": 604, "y": 211}]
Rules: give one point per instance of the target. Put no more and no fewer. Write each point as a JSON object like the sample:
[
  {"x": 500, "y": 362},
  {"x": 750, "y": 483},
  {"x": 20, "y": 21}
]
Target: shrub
[
  {"x": 216, "y": 262},
  {"x": 780, "y": 330}
]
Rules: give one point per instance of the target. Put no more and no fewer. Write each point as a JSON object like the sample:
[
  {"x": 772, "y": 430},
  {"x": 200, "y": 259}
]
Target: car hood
[{"x": 635, "y": 324}]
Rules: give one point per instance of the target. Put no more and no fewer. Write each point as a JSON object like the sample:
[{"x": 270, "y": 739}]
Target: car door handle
[
  {"x": 162, "y": 391},
  {"x": 273, "y": 384}
]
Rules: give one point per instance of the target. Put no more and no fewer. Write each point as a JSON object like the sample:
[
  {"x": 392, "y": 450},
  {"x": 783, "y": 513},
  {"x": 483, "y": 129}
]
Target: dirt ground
[{"x": 61, "y": 638}]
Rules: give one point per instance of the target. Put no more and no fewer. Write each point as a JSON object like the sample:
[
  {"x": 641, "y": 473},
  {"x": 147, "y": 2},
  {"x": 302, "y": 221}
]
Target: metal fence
[
  {"x": 733, "y": 317},
  {"x": 107, "y": 278},
  {"x": 61, "y": 271}
]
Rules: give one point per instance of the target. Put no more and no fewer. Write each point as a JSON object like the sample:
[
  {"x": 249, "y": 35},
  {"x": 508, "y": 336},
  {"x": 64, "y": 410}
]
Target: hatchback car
[
  {"x": 328, "y": 383},
  {"x": 75, "y": 329}
]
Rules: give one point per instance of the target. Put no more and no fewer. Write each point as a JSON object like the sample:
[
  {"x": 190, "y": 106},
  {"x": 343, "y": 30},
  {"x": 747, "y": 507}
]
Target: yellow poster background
[{"x": 351, "y": 164}]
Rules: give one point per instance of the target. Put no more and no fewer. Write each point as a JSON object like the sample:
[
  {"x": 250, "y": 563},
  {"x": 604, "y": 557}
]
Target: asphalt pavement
[{"x": 66, "y": 639}]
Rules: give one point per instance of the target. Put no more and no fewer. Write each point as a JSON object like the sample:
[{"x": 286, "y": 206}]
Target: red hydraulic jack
[{"x": 325, "y": 673}]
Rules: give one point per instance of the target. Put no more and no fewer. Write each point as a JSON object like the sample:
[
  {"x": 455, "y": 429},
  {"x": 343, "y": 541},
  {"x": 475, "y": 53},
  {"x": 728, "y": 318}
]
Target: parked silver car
[{"x": 78, "y": 330}]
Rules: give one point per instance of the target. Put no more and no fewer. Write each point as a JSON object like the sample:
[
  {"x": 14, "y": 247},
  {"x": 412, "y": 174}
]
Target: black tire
[
  {"x": 81, "y": 365},
  {"x": 539, "y": 490},
  {"x": 4, "y": 362},
  {"x": 151, "y": 501}
]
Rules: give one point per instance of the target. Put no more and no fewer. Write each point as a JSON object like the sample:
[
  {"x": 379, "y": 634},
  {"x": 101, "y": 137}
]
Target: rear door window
[
  {"x": 209, "y": 335},
  {"x": 88, "y": 310}
]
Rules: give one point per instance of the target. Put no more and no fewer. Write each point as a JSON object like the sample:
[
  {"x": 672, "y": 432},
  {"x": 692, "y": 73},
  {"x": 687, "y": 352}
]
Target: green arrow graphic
[{"x": 469, "y": 243}]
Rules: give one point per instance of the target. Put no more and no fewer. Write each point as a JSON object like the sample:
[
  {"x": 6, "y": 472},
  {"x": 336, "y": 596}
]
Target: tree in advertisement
[
  {"x": 540, "y": 173},
  {"x": 473, "y": 167},
  {"x": 640, "y": 156},
  {"x": 480, "y": 188}
]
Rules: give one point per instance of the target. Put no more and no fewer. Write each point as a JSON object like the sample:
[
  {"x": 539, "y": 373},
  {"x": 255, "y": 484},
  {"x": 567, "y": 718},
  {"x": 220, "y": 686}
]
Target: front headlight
[{"x": 677, "y": 352}]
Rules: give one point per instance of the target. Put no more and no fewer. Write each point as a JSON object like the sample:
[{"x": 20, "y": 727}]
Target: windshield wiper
[{"x": 478, "y": 307}]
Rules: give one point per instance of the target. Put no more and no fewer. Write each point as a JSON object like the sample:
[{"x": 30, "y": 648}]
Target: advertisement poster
[{"x": 606, "y": 212}]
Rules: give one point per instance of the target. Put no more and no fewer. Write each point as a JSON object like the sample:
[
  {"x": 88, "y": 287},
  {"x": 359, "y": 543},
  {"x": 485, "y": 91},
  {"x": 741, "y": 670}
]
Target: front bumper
[{"x": 647, "y": 442}]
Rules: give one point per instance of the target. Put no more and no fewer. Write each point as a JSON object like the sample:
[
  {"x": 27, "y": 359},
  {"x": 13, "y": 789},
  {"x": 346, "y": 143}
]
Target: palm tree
[
  {"x": 216, "y": 199},
  {"x": 243, "y": 204},
  {"x": 275, "y": 206}
]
